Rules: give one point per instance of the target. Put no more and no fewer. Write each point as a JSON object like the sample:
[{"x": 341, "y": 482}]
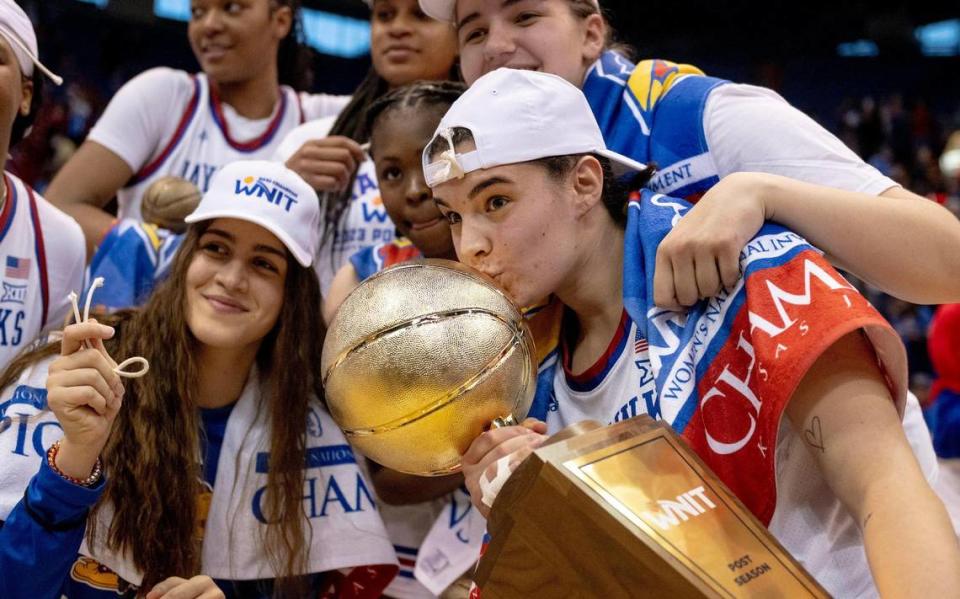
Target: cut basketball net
[{"x": 119, "y": 369}]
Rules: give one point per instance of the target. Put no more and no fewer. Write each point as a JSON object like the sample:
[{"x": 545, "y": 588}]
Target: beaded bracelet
[{"x": 90, "y": 481}]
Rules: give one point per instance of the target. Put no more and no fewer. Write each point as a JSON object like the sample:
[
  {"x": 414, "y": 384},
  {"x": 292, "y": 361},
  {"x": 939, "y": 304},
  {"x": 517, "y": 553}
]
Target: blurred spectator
[{"x": 943, "y": 408}]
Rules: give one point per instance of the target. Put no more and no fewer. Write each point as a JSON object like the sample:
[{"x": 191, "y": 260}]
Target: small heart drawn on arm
[{"x": 814, "y": 434}]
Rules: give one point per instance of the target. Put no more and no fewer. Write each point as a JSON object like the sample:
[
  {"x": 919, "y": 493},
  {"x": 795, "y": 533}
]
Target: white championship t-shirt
[
  {"x": 809, "y": 520},
  {"x": 365, "y": 221},
  {"x": 169, "y": 122}
]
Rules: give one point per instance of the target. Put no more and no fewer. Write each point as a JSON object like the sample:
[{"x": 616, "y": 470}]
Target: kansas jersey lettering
[{"x": 41, "y": 256}]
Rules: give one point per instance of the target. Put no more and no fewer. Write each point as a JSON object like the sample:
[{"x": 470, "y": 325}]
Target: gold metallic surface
[
  {"x": 420, "y": 358},
  {"x": 651, "y": 481}
]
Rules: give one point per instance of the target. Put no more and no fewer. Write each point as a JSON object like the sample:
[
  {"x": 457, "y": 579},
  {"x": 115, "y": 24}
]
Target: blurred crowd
[{"x": 904, "y": 139}]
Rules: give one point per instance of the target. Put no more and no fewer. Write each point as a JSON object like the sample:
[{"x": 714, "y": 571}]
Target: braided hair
[
  {"x": 353, "y": 123},
  {"x": 418, "y": 94}
]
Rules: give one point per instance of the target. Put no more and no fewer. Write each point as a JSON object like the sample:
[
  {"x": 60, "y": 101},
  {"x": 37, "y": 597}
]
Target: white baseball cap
[
  {"x": 518, "y": 116},
  {"x": 266, "y": 194},
  {"x": 446, "y": 10},
  {"x": 17, "y": 29}
]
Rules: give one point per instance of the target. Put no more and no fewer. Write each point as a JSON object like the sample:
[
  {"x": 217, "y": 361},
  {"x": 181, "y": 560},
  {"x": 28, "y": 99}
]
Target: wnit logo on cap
[{"x": 272, "y": 191}]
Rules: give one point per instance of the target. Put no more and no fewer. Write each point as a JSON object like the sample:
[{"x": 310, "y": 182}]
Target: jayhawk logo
[
  {"x": 92, "y": 573},
  {"x": 652, "y": 78}
]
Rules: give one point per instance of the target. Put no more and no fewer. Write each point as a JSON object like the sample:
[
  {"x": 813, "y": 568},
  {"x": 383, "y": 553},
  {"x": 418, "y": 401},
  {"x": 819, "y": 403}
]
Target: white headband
[{"x": 17, "y": 29}]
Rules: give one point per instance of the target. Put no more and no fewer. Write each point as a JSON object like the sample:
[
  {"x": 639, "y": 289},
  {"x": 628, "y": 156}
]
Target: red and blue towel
[{"x": 727, "y": 367}]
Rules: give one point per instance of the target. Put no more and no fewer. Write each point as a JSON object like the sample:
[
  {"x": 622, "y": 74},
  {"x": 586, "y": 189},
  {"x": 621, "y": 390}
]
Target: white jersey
[
  {"x": 43, "y": 260},
  {"x": 948, "y": 487},
  {"x": 365, "y": 222},
  {"x": 809, "y": 520},
  {"x": 407, "y": 526},
  {"x": 168, "y": 122}
]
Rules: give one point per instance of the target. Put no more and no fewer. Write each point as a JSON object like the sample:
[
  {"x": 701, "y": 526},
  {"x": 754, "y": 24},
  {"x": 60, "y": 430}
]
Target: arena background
[{"x": 884, "y": 77}]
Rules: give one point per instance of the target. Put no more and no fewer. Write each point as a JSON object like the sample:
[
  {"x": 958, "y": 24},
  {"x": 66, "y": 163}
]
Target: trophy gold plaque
[{"x": 629, "y": 511}]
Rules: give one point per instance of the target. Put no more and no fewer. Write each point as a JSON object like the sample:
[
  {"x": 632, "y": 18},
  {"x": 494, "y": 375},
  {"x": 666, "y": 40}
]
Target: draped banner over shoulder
[{"x": 726, "y": 369}]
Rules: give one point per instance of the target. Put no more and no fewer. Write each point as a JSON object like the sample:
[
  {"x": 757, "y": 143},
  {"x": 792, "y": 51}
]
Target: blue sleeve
[
  {"x": 364, "y": 261},
  {"x": 41, "y": 537}
]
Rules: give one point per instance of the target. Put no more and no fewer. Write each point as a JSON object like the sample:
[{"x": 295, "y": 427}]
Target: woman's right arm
[
  {"x": 85, "y": 184},
  {"x": 141, "y": 117}
]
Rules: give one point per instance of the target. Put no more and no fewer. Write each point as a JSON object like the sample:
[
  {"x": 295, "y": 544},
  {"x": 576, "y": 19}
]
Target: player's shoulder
[
  {"x": 745, "y": 96},
  {"x": 157, "y": 78},
  {"x": 159, "y": 89},
  {"x": 60, "y": 231}
]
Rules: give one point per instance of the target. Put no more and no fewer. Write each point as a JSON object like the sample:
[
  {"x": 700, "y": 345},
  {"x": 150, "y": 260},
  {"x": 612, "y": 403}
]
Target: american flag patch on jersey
[
  {"x": 17, "y": 268},
  {"x": 641, "y": 345}
]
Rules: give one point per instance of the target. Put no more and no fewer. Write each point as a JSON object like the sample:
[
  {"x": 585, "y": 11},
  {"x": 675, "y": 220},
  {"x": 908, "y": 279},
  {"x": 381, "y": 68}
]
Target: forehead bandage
[{"x": 119, "y": 369}]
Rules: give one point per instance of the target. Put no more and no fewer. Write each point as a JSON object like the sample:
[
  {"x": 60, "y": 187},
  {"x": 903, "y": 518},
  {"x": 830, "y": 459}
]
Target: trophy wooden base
[{"x": 629, "y": 511}]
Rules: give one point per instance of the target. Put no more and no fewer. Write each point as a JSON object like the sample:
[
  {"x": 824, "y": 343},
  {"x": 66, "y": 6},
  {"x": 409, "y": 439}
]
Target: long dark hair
[{"x": 153, "y": 475}]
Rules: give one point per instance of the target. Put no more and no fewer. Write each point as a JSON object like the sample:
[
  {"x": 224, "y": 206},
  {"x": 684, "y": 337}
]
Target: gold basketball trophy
[{"x": 424, "y": 356}]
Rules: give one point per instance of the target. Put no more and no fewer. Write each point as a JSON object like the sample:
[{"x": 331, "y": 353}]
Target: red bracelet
[{"x": 91, "y": 480}]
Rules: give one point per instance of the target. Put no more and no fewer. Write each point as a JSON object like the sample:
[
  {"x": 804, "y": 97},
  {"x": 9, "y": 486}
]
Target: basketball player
[
  {"x": 788, "y": 385},
  {"x": 134, "y": 256},
  {"x": 168, "y": 122},
  {"x": 401, "y": 124},
  {"x": 41, "y": 248},
  {"x": 405, "y": 46},
  {"x": 221, "y": 473},
  {"x": 699, "y": 130}
]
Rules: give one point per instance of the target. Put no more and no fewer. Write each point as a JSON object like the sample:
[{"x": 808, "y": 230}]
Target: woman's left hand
[
  {"x": 701, "y": 255},
  {"x": 198, "y": 587}
]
